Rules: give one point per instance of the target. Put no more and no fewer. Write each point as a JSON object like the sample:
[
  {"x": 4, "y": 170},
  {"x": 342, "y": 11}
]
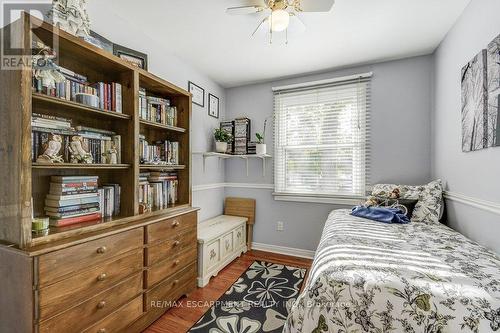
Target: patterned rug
[{"x": 259, "y": 301}]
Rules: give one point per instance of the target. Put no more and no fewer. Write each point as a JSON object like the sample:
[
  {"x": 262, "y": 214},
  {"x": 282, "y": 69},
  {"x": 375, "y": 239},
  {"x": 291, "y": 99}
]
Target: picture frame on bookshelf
[
  {"x": 198, "y": 94},
  {"x": 100, "y": 41},
  {"x": 213, "y": 106},
  {"x": 133, "y": 57}
]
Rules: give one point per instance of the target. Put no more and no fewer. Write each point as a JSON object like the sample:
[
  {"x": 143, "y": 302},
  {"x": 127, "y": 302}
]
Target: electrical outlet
[{"x": 279, "y": 226}]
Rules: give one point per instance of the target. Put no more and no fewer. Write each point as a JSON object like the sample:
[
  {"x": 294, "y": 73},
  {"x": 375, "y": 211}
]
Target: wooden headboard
[{"x": 243, "y": 207}]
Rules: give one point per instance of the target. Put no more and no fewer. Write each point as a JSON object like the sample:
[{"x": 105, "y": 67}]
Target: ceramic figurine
[
  {"x": 71, "y": 16},
  {"x": 78, "y": 153},
  {"x": 51, "y": 153},
  {"x": 112, "y": 155}
]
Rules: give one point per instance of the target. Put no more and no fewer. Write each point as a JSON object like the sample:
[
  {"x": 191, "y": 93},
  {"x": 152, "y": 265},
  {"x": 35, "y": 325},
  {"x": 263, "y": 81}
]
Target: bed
[{"x": 418, "y": 277}]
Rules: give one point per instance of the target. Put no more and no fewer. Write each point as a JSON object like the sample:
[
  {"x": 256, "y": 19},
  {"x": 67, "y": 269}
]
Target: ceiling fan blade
[
  {"x": 316, "y": 5},
  {"x": 264, "y": 20},
  {"x": 243, "y": 10}
]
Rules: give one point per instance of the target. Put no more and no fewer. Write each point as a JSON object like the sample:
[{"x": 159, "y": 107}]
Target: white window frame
[{"x": 347, "y": 200}]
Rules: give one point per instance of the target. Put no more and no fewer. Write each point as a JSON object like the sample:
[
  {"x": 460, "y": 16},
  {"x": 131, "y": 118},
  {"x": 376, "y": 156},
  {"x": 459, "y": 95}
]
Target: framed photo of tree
[{"x": 213, "y": 106}]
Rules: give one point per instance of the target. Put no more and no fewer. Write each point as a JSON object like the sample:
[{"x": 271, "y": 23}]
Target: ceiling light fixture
[{"x": 279, "y": 19}]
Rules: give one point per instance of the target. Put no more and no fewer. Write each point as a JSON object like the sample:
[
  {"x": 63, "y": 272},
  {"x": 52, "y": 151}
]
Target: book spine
[{"x": 74, "y": 220}]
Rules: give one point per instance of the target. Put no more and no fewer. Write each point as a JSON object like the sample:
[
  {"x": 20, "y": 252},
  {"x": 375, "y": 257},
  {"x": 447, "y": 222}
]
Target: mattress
[{"x": 418, "y": 277}]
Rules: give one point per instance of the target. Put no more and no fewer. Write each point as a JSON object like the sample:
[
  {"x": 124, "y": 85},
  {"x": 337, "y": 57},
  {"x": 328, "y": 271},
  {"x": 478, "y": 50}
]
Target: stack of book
[
  {"x": 95, "y": 141},
  {"x": 159, "y": 151},
  {"x": 108, "y": 94},
  {"x": 156, "y": 109},
  {"x": 241, "y": 135},
  {"x": 72, "y": 199},
  {"x": 159, "y": 189},
  {"x": 252, "y": 148},
  {"x": 109, "y": 199}
]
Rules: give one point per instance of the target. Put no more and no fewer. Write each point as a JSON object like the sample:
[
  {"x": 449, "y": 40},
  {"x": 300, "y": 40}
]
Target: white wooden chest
[{"x": 220, "y": 241}]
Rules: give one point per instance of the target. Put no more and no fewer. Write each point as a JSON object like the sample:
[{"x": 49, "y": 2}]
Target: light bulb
[{"x": 279, "y": 20}]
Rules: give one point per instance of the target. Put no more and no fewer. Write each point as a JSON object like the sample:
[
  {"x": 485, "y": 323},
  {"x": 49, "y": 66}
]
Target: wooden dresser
[
  {"x": 115, "y": 274},
  {"x": 121, "y": 279}
]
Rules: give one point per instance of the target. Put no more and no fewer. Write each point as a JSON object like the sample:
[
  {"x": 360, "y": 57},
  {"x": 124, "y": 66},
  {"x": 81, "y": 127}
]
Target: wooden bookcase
[{"x": 24, "y": 185}]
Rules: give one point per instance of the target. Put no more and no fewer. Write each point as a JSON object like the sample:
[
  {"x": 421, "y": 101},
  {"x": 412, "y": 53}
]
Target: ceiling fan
[{"x": 280, "y": 14}]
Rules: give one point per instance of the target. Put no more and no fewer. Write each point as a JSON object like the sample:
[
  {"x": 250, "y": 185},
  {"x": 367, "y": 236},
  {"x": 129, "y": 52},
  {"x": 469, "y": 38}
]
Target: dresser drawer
[
  {"x": 172, "y": 289},
  {"x": 168, "y": 228},
  {"x": 171, "y": 247},
  {"x": 55, "y": 266},
  {"x": 60, "y": 296},
  {"x": 120, "y": 319},
  {"x": 170, "y": 266},
  {"x": 95, "y": 308}
]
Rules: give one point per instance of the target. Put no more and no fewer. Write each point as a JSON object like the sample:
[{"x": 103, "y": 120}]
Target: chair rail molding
[
  {"x": 204, "y": 187},
  {"x": 490, "y": 206}
]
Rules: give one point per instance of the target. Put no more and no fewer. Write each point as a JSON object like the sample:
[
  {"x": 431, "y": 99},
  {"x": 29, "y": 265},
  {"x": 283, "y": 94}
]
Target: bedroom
[{"x": 121, "y": 213}]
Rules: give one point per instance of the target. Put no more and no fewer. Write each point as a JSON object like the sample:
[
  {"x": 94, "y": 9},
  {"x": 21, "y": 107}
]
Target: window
[{"x": 321, "y": 139}]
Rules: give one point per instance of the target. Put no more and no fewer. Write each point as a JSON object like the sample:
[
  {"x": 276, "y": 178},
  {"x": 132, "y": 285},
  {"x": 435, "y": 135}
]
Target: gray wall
[
  {"x": 163, "y": 63},
  {"x": 474, "y": 174},
  {"x": 401, "y": 105}
]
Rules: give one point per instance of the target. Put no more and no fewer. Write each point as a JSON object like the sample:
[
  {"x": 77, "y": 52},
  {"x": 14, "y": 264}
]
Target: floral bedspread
[{"x": 418, "y": 277}]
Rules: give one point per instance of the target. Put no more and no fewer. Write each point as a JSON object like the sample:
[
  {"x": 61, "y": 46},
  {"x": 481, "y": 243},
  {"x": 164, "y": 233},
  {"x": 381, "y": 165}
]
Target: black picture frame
[
  {"x": 198, "y": 93},
  {"x": 133, "y": 57},
  {"x": 215, "y": 100}
]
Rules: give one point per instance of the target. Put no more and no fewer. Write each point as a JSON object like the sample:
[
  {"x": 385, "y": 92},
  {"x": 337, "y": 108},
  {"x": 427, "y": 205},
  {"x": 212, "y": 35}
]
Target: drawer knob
[
  {"x": 176, "y": 262},
  {"x": 101, "y": 249},
  {"x": 101, "y": 304},
  {"x": 102, "y": 330},
  {"x": 175, "y": 282},
  {"x": 176, "y": 243},
  {"x": 102, "y": 277},
  {"x": 175, "y": 223}
]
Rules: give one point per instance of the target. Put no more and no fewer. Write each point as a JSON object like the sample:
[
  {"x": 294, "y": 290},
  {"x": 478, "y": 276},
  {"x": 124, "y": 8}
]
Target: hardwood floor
[{"x": 180, "y": 318}]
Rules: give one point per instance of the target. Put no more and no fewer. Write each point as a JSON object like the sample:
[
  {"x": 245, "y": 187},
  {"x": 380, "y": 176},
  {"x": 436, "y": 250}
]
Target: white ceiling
[{"x": 354, "y": 32}]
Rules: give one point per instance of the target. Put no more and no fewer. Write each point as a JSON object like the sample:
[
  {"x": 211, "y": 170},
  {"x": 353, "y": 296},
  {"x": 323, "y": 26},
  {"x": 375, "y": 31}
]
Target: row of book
[
  {"x": 99, "y": 143},
  {"x": 159, "y": 151},
  {"x": 156, "y": 109},
  {"x": 158, "y": 190},
  {"x": 108, "y": 95},
  {"x": 77, "y": 199}
]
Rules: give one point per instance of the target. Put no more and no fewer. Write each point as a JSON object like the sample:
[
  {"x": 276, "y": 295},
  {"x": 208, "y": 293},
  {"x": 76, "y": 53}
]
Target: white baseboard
[
  {"x": 488, "y": 206},
  {"x": 290, "y": 251}
]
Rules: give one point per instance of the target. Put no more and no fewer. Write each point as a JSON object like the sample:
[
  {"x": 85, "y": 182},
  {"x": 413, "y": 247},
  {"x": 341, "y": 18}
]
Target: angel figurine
[
  {"x": 51, "y": 153},
  {"x": 112, "y": 155},
  {"x": 71, "y": 16},
  {"x": 78, "y": 153}
]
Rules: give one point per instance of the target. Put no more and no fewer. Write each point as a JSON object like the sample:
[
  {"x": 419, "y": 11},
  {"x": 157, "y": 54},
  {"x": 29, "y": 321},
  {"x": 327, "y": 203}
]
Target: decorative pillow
[{"x": 429, "y": 198}]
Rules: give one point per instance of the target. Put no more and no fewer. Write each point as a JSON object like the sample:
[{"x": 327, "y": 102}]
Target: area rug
[{"x": 259, "y": 301}]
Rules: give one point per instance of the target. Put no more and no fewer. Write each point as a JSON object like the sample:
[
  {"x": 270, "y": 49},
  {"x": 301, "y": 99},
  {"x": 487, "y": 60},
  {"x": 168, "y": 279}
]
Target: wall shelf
[{"x": 222, "y": 156}]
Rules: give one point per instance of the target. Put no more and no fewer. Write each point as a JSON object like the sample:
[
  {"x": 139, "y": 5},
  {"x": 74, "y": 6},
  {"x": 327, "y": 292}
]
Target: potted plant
[
  {"x": 222, "y": 138},
  {"x": 260, "y": 147}
]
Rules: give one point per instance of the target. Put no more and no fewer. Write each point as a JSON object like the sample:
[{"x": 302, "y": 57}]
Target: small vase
[
  {"x": 261, "y": 149},
  {"x": 220, "y": 147}
]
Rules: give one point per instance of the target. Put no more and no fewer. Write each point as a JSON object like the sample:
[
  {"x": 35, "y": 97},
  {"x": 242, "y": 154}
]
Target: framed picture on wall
[
  {"x": 198, "y": 93},
  {"x": 213, "y": 106},
  {"x": 133, "y": 57}
]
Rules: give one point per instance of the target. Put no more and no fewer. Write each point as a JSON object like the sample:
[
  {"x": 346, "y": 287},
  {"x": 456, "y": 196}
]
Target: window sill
[{"x": 322, "y": 199}]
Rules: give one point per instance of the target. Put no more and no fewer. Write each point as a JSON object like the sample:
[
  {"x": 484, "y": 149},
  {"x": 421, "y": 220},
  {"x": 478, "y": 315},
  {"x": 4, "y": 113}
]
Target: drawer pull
[
  {"x": 102, "y": 277},
  {"x": 175, "y": 223},
  {"x": 176, "y": 262},
  {"x": 176, "y": 243},
  {"x": 101, "y": 250},
  {"x": 175, "y": 282},
  {"x": 101, "y": 304},
  {"x": 102, "y": 330}
]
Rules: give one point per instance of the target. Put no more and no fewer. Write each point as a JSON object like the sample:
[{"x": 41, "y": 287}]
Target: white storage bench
[{"x": 220, "y": 241}]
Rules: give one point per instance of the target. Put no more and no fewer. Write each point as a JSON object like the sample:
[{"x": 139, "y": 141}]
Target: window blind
[{"x": 322, "y": 135}]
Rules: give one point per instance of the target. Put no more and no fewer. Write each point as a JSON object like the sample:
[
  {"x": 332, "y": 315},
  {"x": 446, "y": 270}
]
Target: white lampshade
[{"x": 279, "y": 20}]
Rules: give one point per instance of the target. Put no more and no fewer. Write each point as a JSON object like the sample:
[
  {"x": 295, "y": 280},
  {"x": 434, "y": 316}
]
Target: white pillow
[{"x": 430, "y": 197}]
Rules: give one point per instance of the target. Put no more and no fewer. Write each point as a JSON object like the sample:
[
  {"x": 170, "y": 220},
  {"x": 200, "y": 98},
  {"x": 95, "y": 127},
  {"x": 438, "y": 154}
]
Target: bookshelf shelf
[
  {"x": 161, "y": 167},
  {"x": 80, "y": 166},
  {"x": 72, "y": 106},
  {"x": 166, "y": 127}
]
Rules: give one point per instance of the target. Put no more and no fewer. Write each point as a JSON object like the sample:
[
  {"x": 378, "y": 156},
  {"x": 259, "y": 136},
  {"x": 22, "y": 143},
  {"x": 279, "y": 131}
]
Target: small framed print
[
  {"x": 213, "y": 106},
  {"x": 198, "y": 94},
  {"x": 133, "y": 57}
]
